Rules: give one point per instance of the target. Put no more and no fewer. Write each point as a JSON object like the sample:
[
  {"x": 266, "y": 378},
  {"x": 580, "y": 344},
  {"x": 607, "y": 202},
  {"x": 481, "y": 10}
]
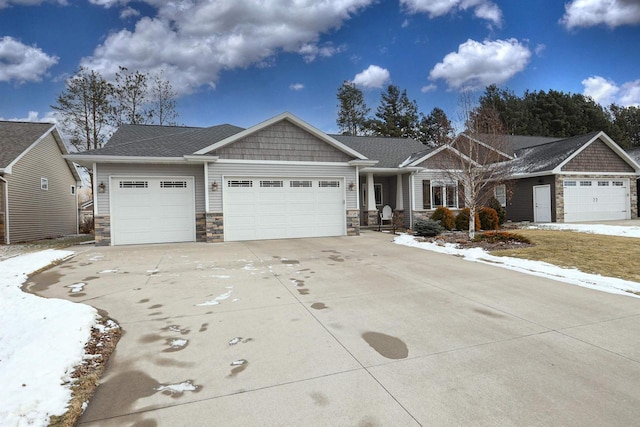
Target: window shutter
[
  {"x": 426, "y": 194},
  {"x": 460, "y": 196}
]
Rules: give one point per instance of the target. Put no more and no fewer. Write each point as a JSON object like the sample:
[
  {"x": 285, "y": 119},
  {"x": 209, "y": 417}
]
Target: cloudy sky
[{"x": 244, "y": 61}]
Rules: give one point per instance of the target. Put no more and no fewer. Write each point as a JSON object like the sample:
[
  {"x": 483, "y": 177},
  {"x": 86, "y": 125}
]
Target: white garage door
[
  {"x": 152, "y": 210},
  {"x": 280, "y": 208},
  {"x": 596, "y": 200}
]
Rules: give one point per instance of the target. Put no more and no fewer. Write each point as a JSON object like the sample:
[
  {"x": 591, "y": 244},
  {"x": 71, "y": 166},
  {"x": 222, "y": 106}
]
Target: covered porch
[{"x": 380, "y": 187}]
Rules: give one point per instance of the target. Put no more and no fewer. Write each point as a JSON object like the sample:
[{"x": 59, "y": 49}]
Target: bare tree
[
  {"x": 83, "y": 108},
  {"x": 130, "y": 98},
  {"x": 163, "y": 101},
  {"x": 479, "y": 158}
]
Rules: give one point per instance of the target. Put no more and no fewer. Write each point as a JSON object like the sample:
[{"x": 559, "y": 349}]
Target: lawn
[{"x": 611, "y": 256}]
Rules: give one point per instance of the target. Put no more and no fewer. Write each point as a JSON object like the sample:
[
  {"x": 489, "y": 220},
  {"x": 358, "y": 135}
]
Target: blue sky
[{"x": 242, "y": 62}]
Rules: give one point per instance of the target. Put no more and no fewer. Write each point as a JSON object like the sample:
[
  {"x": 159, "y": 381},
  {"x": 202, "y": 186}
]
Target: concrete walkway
[{"x": 349, "y": 331}]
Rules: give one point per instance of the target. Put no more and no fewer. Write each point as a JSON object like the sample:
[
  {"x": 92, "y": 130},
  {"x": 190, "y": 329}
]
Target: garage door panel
[
  {"x": 152, "y": 210},
  {"x": 284, "y": 208}
]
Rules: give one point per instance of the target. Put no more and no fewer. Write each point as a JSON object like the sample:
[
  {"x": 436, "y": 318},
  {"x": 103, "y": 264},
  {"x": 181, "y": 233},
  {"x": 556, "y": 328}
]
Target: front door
[{"x": 542, "y": 203}]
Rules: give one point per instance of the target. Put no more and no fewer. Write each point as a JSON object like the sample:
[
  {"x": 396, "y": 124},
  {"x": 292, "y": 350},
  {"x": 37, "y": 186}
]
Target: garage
[
  {"x": 152, "y": 210},
  {"x": 596, "y": 200},
  {"x": 258, "y": 208}
]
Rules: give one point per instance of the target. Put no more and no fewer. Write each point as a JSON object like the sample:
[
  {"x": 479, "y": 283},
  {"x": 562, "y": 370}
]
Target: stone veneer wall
[
  {"x": 372, "y": 217},
  {"x": 214, "y": 227},
  {"x": 102, "y": 224},
  {"x": 633, "y": 191},
  {"x": 399, "y": 218},
  {"x": 353, "y": 223},
  {"x": 201, "y": 227}
]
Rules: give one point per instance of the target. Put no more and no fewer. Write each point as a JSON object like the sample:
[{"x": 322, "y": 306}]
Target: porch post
[{"x": 372, "y": 212}]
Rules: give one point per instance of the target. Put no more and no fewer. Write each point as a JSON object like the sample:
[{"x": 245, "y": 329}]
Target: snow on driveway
[
  {"x": 609, "y": 230},
  {"x": 536, "y": 268},
  {"x": 41, "y": 340}
]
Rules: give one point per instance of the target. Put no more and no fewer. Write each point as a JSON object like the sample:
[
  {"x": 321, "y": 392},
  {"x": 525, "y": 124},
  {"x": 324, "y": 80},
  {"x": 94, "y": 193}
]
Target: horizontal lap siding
[
  {"x": 38, "y": 214},
  {"x": 417, "y": 186},
  {"x": 219, "y": 170},
  {"x": 107, "y": 170}
]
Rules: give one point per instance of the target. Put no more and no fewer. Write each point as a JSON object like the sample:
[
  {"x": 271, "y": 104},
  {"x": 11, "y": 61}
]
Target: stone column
[{"x": 399, "y": 196}]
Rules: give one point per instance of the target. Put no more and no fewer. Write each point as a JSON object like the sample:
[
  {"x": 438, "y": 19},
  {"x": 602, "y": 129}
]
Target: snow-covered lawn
[
  {"x": 41, "y": 340},
  {"x": 537, "y": 268},
  {"x": 609, "y": 230}
]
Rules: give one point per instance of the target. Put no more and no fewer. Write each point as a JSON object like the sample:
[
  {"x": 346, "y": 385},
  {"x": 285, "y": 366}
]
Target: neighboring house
[
  {"x": 284, "y": 179},
  {"x": 37, "y": 186},
  {"x": 582, "y": 178}
]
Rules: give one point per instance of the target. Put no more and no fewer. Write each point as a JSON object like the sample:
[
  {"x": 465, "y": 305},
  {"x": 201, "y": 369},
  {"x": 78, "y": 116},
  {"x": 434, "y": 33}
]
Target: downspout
[{"x": 6, "y": 211}]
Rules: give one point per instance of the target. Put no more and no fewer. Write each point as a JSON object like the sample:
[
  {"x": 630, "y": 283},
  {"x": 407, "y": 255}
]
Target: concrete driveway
[{"x": 349, "y": 331}]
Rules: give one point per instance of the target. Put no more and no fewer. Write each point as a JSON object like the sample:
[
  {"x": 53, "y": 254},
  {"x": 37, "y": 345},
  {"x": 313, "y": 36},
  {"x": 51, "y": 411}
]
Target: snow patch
[
  {"x": 76, "y": 287},
  {"x": 216, "y": 300},
  {"x": 115, "y": 270},
  {"x": 178, "y": 388},
  {"x": 178, "y": 342},
  {"x": 537, "y": 268},
  {"x": 220, "y": 276},
  {"x": 32, "y": 326},
  {"x": 608, "y": 230}
]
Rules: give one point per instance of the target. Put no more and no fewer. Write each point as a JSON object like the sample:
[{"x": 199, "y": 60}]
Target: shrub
[
  {"x": 445, "y": 217},
  {"x": 488, "y": 218},
  {"x": 462, "y": 220},
  {"x": 427, "y": 228},
  {"x": 502, "y": 212},
  {"x": 86, "y": 225},
  {"x": 501, "y": 236}
]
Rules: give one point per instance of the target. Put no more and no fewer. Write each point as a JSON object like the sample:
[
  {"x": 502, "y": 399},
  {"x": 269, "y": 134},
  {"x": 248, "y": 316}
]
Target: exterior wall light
[
  {"x": 101, "y": 187},
  {"x": 214, "y": 186},
  {"x": 352, "y": 186}
]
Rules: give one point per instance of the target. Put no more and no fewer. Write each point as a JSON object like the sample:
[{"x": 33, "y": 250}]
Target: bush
[
  {"x": 445, "y": 217},
  {"x": 501, "y": 236},
  {"x": 488, "y": 218},
  {"x": 427, "y": 228},
  {"x": 502, "y": 212},
  {"x": 86, "y": 225},
  {"x": 462, "y": 220}
]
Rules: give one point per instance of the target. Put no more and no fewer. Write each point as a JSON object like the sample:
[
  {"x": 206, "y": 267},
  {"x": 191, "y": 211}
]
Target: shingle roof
[
  {"x": 634, "y": 153},
  {"x": 163, "y": 141},
  {"x": 546, "y": 157},
  {"x": 15, "y": 137},
  {"x": 390, "y": 152}
]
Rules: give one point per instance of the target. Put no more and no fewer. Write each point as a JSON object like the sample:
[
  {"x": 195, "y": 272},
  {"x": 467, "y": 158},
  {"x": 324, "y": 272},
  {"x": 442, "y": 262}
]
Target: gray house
[
  {"x": 37, "y": 186},
  {"x": 283, "y": 178}
]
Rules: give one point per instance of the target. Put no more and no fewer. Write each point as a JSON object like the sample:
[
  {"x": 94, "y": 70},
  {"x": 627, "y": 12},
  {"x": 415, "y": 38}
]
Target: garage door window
[
  {"x": 300, "y": 184},
  {"x": 326, "y": 184},
  {"x": 271, "y": 184},
  {"x": 585, "y": 183},
  {"x": 242, "y": 183},
  {"x": 173, "y": 184},
  {"x": 569, "y": 183},
  {"x": 603, "y": 183},
  {"x": 618, "y": 184},
  {"x": 134, "y": 184}
]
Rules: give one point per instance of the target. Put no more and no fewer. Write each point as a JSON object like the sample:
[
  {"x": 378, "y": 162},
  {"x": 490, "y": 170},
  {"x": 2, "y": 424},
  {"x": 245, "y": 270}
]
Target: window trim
[
  {"x": 503, "y": 197},
  {"x": 72, "y": 189},
  {"x": 446, "y": 187},
  {"x": 44, "y": 184}
]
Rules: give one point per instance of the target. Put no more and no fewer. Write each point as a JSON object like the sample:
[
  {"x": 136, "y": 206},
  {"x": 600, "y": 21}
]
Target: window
[
  {"x": 569, "y": 183},
  {"x": 134, "y": 184},
  {"x": 603, "y": 183},
  {"x": 44, "y": 184},
  {"x": 325, "y": 184},
  {"x": 585, "y": 183},
  {"x": 500, "y": 193},
  {"x": 426, "y": 194},
  {"x": 173, "y": 184},
  {"x": 271, "y": 184},
  {"x": 617, "y": 183},
  {"x": 451, "y": 193},
  {"x": 377, "y": 190},
  {"x": 439, "y": 194},
  {"x": 72, "y": 189},
  {"x": 241, "y": 183},
  {"x": 300, "y": 184}
]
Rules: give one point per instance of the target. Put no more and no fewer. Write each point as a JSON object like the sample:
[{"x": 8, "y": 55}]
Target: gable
[
  {"x": 597, "y": 157},
  {"x": 282, "y": 140},
  {"x": 445, "y": 159},
  {"x": 481, "y": 153}
]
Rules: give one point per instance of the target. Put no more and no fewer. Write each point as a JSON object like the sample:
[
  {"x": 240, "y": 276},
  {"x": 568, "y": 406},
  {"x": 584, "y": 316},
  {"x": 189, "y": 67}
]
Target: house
[
  {"x": 37, "y": 186},
  {"x": 582, "y": 178},
  {"x": 281, "y": 178}
]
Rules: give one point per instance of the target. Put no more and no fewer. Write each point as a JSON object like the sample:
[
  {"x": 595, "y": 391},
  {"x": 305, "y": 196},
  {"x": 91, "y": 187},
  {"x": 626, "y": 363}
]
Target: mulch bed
[{"x": 461, "y": 238}]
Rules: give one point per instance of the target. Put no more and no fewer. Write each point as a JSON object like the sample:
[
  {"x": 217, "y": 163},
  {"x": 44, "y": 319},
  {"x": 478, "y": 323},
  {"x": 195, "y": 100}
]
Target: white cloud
[
  {"x": 7, "y": 3},
  {"x": 612, "y": 13},
  {"x": 201, "y": 38},
  {"x": 606, "y": 92},
  {"x": 296, "y": 86},
  {"x": 372, "y": 77},
  {"x": 540, "y": 48},
  {"x": 34, "y": 116},
  {"x": 476, "y": 65},
  {"x": 21, "y": 63},
  {"x": 483, "y": 9},
  {"x": 428, "y": 88},
  {"x": 128, "y": 12}
]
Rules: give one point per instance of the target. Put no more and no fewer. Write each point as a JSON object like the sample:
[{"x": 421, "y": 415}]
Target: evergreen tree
[
  {"x": 396, "y": 116},
  {"x": 435, "y": 129},
  {"x": 352, "y": 113},
  {"x": 626, "y": 125}
]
